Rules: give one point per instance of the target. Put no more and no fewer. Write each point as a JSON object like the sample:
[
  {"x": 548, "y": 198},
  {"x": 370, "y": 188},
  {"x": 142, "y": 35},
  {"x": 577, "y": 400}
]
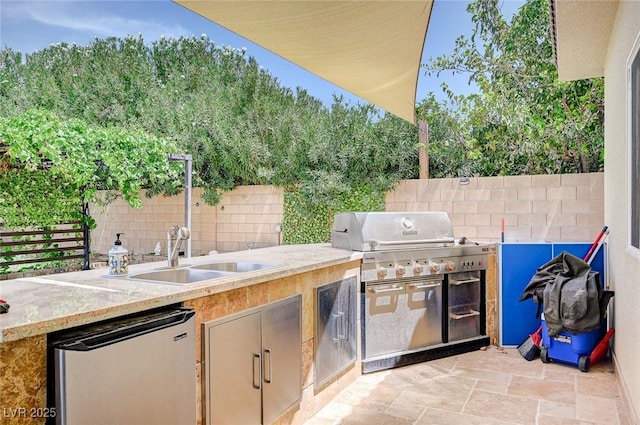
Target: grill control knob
[
  {"x": 450, "y": 266},
  {"x": 382, "y": 272},
  {"x": 418, "y": 269},
  {"x": 435, "y": 268},
  {"x": 400, "y": 271}
]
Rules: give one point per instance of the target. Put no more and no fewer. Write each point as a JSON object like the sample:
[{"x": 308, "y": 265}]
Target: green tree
[
  {"x": 50, "y": 167},
  {"x": 523, "y": 121},
  {"x": 218, "y": 104},
  {"x": 447, "y": 144}
]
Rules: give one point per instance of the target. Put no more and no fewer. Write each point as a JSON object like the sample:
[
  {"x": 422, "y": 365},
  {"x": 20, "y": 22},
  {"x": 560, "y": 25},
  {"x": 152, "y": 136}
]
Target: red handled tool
[
  {"x": 595, "y": 243},
  {"x": 530, "y": 347},
  {"x": 595, "y": 251},
  {"x": 600, "y": 351}
]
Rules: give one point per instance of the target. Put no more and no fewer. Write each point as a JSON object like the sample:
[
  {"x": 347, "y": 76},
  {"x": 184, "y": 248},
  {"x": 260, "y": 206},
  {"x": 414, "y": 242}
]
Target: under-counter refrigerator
[{"x": 131, "y": 371}]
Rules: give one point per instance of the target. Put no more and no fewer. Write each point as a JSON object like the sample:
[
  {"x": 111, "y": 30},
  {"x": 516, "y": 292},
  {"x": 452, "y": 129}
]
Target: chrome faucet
[{"x": 175, "y": 236}]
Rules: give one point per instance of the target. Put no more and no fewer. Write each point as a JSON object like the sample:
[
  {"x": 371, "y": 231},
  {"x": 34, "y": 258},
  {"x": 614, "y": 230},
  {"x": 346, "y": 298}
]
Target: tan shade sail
[{"x": 369, "y": 48}]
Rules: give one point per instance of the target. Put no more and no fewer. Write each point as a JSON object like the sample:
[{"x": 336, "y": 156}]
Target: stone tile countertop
[{"x": 50, "y": 303}]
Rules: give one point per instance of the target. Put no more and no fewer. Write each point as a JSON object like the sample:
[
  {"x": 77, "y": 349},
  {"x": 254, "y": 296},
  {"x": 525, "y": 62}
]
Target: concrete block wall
[
  {"x": 566, "y": 207},
  {"x": 144, "y": 228},
  {"x": 247, "y": 215}
]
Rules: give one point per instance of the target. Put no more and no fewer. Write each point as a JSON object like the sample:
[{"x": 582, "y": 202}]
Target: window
[{"x": 634, "y": 184}]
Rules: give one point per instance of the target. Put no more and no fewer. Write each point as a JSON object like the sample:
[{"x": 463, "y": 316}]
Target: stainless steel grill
[
  {"x": 382, "y": 231},
  {"x": 422, "y": 292}
]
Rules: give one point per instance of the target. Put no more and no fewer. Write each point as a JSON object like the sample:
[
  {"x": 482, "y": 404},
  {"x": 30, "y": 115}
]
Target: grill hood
[{"x": 382, "y": 231}]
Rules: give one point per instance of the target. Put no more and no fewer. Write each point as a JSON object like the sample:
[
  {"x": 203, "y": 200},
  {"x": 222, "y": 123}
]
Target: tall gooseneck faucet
[{"x": 175, "y": 236}]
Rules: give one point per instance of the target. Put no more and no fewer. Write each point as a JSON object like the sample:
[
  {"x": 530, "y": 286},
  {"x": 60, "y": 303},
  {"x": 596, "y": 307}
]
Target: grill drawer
[
  {"x": 464, "y": 322},
  {"x": 464, "y": 289}
]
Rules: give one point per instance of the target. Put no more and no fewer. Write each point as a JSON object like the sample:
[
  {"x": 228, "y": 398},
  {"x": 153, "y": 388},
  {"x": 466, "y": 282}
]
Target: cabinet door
[
  {"x": 347, "y": 302},
  {"x": 328, "y": 352},
  {"x": 336, "y": 333},
  {"x": 282, "y": 357},
  {"x": 233, "y": 367},
  {"x": 424, "y": 312},
  {"x": 384, "y": 319}
]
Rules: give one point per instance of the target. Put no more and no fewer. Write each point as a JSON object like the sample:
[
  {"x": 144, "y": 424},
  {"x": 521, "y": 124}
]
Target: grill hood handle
[{"x": 376, "y": 243}]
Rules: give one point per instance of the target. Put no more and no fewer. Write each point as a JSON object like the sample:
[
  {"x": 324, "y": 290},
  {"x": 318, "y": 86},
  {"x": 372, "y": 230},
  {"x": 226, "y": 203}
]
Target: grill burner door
[
  {"x": 424, "y": 313},
  {"x": 401, "y": 315},
  {"x": 385, "y": 322}
]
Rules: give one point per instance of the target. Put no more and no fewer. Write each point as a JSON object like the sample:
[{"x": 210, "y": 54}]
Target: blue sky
[{"x": 29, "y": 25}]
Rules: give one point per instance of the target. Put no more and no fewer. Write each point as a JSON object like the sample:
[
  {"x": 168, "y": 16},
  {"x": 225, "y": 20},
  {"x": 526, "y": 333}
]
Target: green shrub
[{"x": 306, "y": 221}]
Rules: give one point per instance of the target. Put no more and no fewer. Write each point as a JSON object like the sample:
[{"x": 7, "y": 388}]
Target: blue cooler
[{"x": 568, "y": 348}]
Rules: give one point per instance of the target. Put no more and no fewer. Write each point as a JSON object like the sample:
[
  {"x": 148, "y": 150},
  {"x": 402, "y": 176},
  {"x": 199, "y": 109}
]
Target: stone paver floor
[{"x": 488, "y": 387}]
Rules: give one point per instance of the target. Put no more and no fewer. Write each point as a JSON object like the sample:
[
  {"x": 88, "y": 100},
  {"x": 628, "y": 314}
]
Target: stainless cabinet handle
[
  {"x": 341, "y": 326},
  {"x": 423, "y": 285},
  {"x": 462, "y": 282},
  {"x": 471, "y": 313},
  {"x": 257, "y": 371},
  {"x": 392, "y": 289},
  {"x": 336, "y": 328},
  {"x": 267, "y": 366}
]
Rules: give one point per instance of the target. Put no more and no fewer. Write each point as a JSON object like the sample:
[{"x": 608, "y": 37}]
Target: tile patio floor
[{"x": 492, "y": 387}]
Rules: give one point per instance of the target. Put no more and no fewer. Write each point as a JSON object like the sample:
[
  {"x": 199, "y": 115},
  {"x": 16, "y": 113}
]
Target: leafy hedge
[
  {"x": 306, "y": 221},
  {"x": 50, "y": 167}
]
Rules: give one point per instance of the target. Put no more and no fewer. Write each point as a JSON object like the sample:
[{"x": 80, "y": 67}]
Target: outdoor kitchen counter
[{"x": 45, "y": 304}]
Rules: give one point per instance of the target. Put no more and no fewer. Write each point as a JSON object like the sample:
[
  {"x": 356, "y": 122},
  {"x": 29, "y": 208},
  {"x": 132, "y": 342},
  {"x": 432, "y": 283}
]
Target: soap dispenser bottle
[{"x": 118, "y": 258}]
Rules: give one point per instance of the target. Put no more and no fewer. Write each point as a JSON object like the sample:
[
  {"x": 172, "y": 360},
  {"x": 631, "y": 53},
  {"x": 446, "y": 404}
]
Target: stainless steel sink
[
  {"x": 187, "y": 275},
  {"x": 234, "y": 266},
  {"x": 182, "y": 276}
]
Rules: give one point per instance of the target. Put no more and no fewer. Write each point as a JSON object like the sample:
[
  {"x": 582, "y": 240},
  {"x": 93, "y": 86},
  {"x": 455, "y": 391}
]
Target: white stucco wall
[{"x": 624, "y": 264}]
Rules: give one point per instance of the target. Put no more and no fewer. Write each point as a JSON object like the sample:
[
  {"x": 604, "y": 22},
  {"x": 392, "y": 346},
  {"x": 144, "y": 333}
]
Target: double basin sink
[{"x": 186, "y": 275}]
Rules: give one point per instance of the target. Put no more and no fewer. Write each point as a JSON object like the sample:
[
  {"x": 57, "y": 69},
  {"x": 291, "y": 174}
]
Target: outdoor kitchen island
[{"x": 44, "y": 305}]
